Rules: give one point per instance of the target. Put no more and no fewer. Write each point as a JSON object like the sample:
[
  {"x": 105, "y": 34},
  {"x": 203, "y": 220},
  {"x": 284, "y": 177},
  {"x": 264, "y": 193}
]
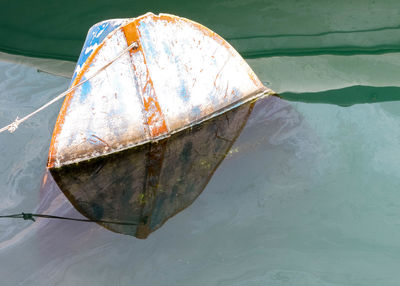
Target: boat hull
[{"x": 178, "y": 74}]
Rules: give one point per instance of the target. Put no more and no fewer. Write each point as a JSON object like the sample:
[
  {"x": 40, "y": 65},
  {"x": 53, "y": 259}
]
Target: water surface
[{"x": 307, "y": 195}]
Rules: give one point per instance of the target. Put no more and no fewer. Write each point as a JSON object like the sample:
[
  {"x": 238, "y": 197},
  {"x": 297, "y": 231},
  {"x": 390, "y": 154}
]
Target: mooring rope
[
  {"x": 31, "y": 216},
  {"x": 14, "y": 125}
]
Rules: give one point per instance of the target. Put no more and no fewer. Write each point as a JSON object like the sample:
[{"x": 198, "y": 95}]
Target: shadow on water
[{"x": 347, "y": 96}]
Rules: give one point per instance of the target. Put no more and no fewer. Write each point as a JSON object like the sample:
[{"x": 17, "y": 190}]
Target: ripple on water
[{"x": 23, "y": 154}]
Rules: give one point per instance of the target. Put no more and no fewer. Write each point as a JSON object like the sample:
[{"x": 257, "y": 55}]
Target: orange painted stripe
[{"x": 153, "y": 113}]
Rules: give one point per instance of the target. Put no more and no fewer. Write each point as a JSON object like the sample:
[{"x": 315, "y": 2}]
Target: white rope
[{"x": 14, "y": 125}]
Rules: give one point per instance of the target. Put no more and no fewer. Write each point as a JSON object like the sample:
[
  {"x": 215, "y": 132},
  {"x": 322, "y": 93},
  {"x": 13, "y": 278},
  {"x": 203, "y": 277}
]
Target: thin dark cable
[{"x": 31, "y": 216}]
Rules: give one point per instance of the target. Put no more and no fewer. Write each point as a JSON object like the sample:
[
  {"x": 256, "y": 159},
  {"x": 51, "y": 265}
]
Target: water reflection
[
  {"x": 146, "y": 185},
  {"x": 347, "y": 96}
]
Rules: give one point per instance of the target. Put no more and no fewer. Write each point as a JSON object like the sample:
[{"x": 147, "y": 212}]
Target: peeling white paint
[{"x": 194, "y": 75}]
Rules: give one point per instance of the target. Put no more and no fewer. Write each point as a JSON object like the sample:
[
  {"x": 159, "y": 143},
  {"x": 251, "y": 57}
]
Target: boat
[
  {"x": 179, "y": 74},
  {"x": 139, "y": 83}
]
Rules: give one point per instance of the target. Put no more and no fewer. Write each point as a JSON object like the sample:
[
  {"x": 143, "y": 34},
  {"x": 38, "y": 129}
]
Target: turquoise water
[
  {"x": 307, "y": 195},
  {"x": 254, "y": 27}
]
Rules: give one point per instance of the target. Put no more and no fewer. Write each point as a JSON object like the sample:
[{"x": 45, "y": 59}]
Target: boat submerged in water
[{"x": 139, "y": 83}]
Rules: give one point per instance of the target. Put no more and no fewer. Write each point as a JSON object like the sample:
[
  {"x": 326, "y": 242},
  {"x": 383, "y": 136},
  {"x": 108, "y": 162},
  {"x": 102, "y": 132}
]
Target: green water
[
  {"x": 307, "y": 195},
  {"x": 57, "y": 29}
]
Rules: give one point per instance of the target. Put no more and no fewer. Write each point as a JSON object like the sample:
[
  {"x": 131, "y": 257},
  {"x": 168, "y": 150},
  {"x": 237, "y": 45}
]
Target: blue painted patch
[
  {"x": 182, "y": 89},
  {"x": 146, "y": 39},
  {"x": 236, "y": 93},
  {"x": 195, "y": 112},
  {"x": 86, "y": 88},
  {"x": 152, "y": 53},
  {"x": 96, "y": 35},
  {"x": 214, "y": 96}
]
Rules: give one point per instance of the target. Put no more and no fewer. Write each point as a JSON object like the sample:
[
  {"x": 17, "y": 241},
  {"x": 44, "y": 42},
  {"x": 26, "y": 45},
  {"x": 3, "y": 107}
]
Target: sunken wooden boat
[{"x": 113, "y": 136}]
